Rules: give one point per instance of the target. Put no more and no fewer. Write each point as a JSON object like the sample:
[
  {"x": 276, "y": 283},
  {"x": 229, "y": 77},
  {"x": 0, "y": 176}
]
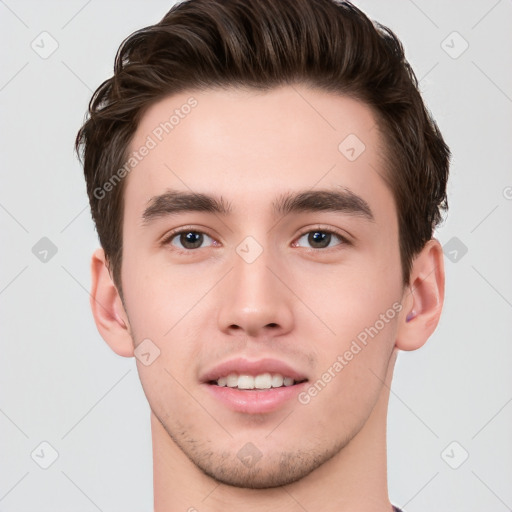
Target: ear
[
  {"x": 107, "y": 308},
  {"x": 423, "y": 299}
]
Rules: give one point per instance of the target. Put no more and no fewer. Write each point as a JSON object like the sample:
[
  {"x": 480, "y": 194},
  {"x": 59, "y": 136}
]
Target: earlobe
[
  {"x": 107, "y": 308},
  {"x": 423, "y": 299}
]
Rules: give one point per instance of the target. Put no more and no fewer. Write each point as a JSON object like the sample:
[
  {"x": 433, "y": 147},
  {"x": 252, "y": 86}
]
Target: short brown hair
[{"x": 262, "y": 44}]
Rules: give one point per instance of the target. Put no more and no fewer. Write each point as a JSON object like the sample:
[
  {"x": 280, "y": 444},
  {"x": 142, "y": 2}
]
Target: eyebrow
[{"x": 344, "y": 201}]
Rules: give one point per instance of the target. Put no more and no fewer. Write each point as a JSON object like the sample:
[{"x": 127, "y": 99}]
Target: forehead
[{"x": 251, "y": 146}]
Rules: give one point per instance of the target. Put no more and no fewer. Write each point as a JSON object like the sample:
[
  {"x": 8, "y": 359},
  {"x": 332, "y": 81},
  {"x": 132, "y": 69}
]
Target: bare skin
[{"x": 298, "y": 302}]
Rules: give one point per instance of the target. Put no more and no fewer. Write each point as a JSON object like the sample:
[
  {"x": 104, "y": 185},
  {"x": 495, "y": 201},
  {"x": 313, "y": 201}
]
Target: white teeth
[
  {"x": 277, "y": 380},
  {"x": 245, "y": 382},
  {"x": 262, "y": 381},
  {"x": 232, "y": 380}
]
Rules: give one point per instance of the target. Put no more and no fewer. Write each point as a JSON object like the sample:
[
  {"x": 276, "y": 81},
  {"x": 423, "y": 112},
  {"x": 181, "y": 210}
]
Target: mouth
[
  {"x": 262, "y": 381},
  {"x": 254, "y": 387}
]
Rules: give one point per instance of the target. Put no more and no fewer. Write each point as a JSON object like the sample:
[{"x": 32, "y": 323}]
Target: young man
[{"x": 265, "y": 181}]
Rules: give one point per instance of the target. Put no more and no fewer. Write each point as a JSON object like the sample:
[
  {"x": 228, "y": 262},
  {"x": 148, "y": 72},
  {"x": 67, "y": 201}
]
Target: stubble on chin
[{"x": 243, "y": 469}]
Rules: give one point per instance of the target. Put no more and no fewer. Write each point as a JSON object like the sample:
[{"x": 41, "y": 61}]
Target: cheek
[
  {"x": 350, "y": 375},
  {"x": 351, "y": 297},
  {"x": 157, "y": 296},
  {"x": 169, "y": 393},
  {"x": 166, "y": 305},
  {"x": 361, "y": 306},
  {"x": 171, "y": 377}
]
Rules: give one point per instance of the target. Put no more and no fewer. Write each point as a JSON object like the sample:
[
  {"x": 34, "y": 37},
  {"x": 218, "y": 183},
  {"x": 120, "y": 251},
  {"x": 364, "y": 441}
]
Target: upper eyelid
[
  {"x": 185, "y": 229},
  {"x": 344, "y": 239},
  {"x": 324, "y": 229}
]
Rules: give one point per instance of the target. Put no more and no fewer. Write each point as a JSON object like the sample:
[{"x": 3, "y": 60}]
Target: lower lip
[{"x": 255, "y": 401}]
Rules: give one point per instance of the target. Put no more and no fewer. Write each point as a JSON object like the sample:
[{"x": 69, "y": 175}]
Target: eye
[
  {"x": 322, "y": 238},
  {"x": 187, "y": 239}
]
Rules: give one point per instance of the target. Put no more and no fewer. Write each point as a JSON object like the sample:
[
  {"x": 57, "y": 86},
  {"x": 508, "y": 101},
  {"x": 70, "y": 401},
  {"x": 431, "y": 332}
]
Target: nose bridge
[
  {"x": 255, "y": 299},
  {"x": 251, "y": 269}
]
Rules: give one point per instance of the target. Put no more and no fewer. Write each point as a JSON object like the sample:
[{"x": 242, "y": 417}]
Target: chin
[
  {"x": 261, "y": 471},
  {"x": 267, "y": 476}
]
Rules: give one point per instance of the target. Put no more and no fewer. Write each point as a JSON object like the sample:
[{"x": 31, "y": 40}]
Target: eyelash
[
  {"x": 171, "y": 236},
  {"x": 342, "y": 239}
]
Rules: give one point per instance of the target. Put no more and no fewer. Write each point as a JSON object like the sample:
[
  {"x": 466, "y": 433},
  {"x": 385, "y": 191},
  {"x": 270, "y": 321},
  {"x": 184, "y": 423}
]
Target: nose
[{"x": 255, "y": 299}]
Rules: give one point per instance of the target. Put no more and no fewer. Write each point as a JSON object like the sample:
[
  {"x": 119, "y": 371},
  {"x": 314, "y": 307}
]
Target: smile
[
  {"x": 261, "y": 381},
  {"x": 254, "y": 387}
]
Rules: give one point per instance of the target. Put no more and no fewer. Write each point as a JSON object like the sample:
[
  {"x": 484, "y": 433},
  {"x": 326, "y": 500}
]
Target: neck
[{"x": 354, "y": 479}]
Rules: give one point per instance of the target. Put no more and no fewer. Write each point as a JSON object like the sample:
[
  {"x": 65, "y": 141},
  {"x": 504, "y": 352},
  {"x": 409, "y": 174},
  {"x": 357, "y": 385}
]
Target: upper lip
[{"x": 243, "y": 366}]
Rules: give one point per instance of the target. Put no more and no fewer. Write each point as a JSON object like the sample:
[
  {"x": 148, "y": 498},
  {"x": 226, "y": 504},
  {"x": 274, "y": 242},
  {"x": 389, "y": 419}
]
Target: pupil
[{"x": 319, "y": 237}]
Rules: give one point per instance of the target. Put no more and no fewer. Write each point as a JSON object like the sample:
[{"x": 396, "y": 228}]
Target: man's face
[{"x": 262, "y": 291}]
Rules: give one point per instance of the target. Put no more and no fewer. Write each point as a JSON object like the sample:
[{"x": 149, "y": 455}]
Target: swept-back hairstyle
[{"x": 262, "y": 44}]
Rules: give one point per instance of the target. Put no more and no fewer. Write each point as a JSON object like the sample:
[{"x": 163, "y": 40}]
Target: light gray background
[{"x": 60, "y": 383}]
